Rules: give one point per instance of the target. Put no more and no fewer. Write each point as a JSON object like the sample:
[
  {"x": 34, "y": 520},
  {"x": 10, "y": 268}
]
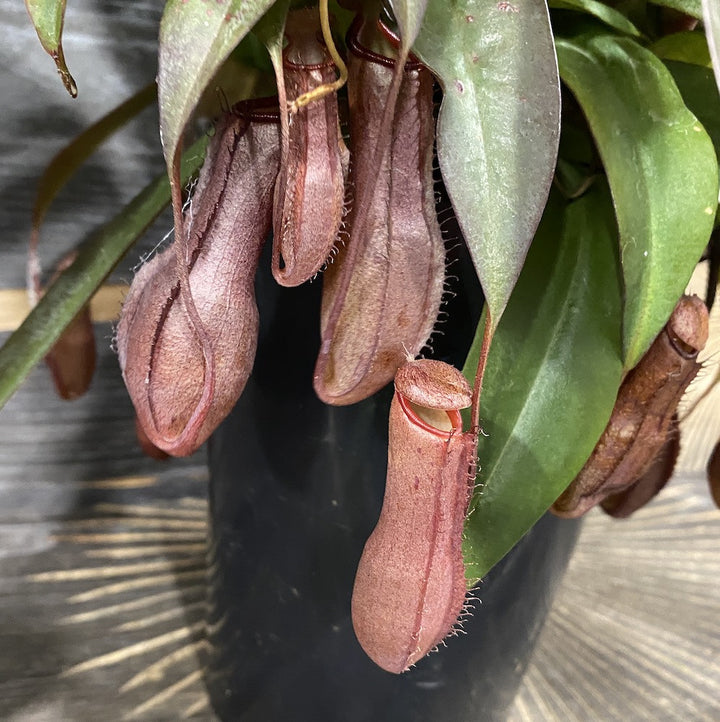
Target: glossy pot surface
[{"x": 296, "y": 488}]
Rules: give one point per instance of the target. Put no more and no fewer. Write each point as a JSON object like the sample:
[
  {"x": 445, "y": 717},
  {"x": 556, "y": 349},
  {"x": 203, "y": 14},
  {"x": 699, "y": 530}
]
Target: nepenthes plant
[{"x": 573, "y": 144}]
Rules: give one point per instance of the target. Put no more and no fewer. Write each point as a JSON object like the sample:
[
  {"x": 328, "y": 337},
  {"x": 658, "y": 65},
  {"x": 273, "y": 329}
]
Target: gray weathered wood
[{"x": 59, "y": 461}]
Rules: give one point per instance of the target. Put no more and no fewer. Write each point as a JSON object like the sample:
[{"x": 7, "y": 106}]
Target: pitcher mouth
[
  {"x": 354, "y": 45},
  {"x": 258, "y": 110},
  {"x": 454, "y": 417}
]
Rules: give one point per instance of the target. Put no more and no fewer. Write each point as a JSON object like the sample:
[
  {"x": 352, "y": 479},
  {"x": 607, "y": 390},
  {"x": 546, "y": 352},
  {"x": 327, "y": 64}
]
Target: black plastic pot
[{"x": 296, "y": 488}]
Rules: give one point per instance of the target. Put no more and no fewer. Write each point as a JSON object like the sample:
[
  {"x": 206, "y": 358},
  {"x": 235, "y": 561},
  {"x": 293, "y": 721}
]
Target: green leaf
[
  {"x": 578, "y": 164},
  {"x": 196, "y": 37},
  {"x": 686, "y": 47},
  {"x": 73, "y": 288},
  {"x": 498, "y": 126},
  {"x": 603, "y": 12},
  {"x": 689, "y": 7},
  {"x": 342, "y": 18},
  {"x": 662, "y": 171},
  {"x": 552, "y": 375},
  {"x": 711, "y": 18},
  {"x": 270, "y": 30},
  {"x": 251, "y": 52},
  {"x": 48, "y": 17},
  {"x": 72, "y": 156},
  {"x": 700, "y": 93},
  {"x": 409, "y": 15}
]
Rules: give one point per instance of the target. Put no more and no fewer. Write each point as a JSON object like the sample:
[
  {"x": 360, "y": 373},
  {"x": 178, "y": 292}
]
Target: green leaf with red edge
[
  {"x": 196, "y": 37},
  {"x": 552, "y": 375},
  {"x": 662, "y": 170},
  {"x": 73, "y": 288},
  {"x": 498, "y": 127},
  {"x": 711, "y": 18},
  {"x": 48, "y": 17}
]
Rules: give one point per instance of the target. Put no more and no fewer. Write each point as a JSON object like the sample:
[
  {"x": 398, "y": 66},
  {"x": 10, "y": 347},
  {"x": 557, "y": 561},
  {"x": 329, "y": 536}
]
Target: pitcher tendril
[{"x": 323, "y": 90}]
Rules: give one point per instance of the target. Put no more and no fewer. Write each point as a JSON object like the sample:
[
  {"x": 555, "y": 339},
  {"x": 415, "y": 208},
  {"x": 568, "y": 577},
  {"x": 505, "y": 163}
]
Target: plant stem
[{"x": 480, "y": 372}]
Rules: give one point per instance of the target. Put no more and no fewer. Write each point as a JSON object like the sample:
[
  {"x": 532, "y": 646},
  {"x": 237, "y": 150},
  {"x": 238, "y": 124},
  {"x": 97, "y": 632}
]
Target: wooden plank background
[{"x": 101, "y": 549}]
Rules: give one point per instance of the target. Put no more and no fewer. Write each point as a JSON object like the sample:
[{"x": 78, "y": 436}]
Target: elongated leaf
[
  {"x": 711, "y": 18},
  {"x": 71, "y": 291},
  {"x": 195, "y": 39},
  {"x": 270, "y": 30},
  {"x": 700, "y": 93},
  {"x": 64, "y": 165},
  {"x": 689, "y": 7},
  {"x": 498, "y": 127},
  {"x": 552, "y": 376},
  {"x": 662, "y": 171},
  {"x": 685, "y": 47},
  {"x": 603, "y": 12},
  {"x": 48, "y": 17},
  {"x": 409, "y": 15}
]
